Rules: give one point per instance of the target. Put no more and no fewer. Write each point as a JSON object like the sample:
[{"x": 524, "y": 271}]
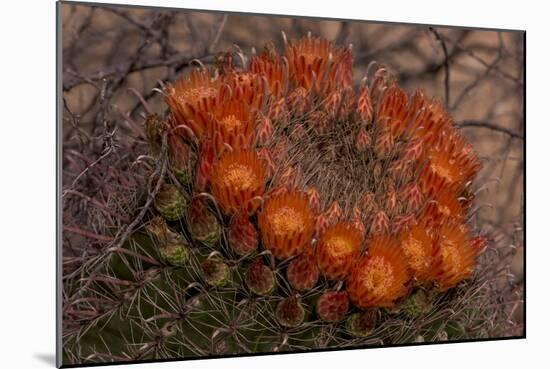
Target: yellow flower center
[
  {"x": 240, "y": 177},
  {"x": 377, "y": 276},
  {"x": 450, "y": 256},
  {"x": 286, "y": 221},
  {"x": 197, "y": 93},
  {"x": 415, "y": 253},
  {"x": 339, "y": 246}
]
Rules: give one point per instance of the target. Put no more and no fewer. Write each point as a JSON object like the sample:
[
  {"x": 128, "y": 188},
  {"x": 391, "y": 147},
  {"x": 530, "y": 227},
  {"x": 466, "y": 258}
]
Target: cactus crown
[{"x": 310, "y": 214}]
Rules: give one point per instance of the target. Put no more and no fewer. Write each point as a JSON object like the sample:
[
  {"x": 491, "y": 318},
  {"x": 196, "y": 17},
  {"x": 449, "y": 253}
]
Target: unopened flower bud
[
  {"x": 203, "y": 224},
  {"x": 290, "y": 312},
  {"x": 170, "y": 202},
  {"x": 216, "y": 273},
  {"x": 172, "y": 246},
  {"x": 260, "y": 279}
]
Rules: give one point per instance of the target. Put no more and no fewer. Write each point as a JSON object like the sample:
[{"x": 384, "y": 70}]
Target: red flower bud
[
  {"x": 364, "y": 106},
  {"x": 380, "y": 223},
  {"x": 362, "y": 141},
  {"x": 332, "y": 306},
  {"x": 242, "y": 236}
]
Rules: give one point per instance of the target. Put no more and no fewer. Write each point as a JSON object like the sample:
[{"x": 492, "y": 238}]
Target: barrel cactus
[{"x": 289, "y": 209}]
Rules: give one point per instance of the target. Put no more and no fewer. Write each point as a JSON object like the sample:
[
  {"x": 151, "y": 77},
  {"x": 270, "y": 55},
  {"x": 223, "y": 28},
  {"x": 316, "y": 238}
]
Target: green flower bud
[
  {"x": 215, "y": 272},
  {"x": 182, "y": 159},
  {"x": 170, "y": 202},
  {"x": 418, "y": 303},
  {"x": 154, "y": 128},
  {"x": 204, "y": 225},
  {"x": 171, "y": 245}
]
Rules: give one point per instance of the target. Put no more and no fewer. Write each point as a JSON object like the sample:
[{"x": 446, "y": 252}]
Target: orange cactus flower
[
  {"x": 451, "y": 164},
  {"x": 250, "y": 88},
  {"x": 417, "y": 244},
  {"x": 338, "y": 249},
  {"x": 384, "y": 143},
  {"x": 403, "y": 222},
  {"x": 238, "y": 178},
  {"x": 357, "y": 219},
  {"x": 381, "y": 276},
  {"x": 381, "y": 81},
  {"x": 232, "y": 123},
  {"x": 190, "y": 97},
  {"x": 320, "y": 121},
  {"x": 393, "y": 110},
  {"x": 445, "y": 205},
  {"x": 278, "y": 111},
  {"x": 413, "y": 149},
  {"x": 389, "y": 202},
  {"x": 274, "y": 69},
  {"x": 429, "y": 119},
  {"x": 316, "y": 64},
  {"x": 286, "y": 224},
  {"x": 454, "y": 255},
  {"x": 368, "y": 204},
  {"x": 298, "y": 101}
]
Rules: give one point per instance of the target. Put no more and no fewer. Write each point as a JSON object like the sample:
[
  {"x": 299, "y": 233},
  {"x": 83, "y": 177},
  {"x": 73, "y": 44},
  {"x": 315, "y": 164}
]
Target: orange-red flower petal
[
  {"x": 381, "y": 276},
  {"x": 286, "y": 223},
  {"x": 454, "y": 255},
  {"x": 337, "y": 250},
  {"x": 237, "y": 179}
]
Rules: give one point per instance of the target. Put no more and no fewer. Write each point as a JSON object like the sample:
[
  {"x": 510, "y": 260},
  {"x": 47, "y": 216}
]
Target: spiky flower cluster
[{"x": 289, "y": 172}]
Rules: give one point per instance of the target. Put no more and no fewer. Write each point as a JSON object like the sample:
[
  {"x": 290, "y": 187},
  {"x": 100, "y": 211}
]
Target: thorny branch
[
  {"x": 491, "y": 126},
  {"x": 446, "y": 66}
]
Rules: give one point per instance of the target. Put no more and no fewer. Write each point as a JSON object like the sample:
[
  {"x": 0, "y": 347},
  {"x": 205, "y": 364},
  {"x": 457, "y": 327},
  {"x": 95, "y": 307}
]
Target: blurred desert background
[{"x": 108, "y": 51}]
